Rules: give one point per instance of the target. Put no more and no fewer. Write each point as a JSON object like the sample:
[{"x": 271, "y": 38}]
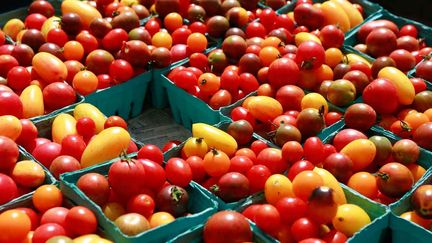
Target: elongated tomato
[
  {"x": 332, "y": 182},
  {"x": 334, "y": 14},
  {"x": 63, "y": 125},
  {"x": 49, "y": 67},
  {"x": 49, "y": 24},
  {"x": 353, "y": 14},
  {"x": 92, "y": 112},
  {"x": 107, "y": 145},
  {"x": 86, "y": 12},
  {"x": 32, "y": 100},
  {"x": 214, "y": 137},
  {"x": 264, "y": 108},
  {"x": 404, "y": 87},
  {"x": 361, "y": 152},
  {"x": 10, "y": 127}
]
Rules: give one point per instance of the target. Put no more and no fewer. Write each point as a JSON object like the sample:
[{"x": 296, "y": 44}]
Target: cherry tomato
[
  {"x": 292, "y": 151},
  {"x": 216, "y": 163},
  {"x": 257, "y": 146},
  {"x": 80, "y": 221},
  {"x": 291, "y": 209},
  {"x": 86, "y": 127},
  {"x": 197, "y": 166},
  {"x": 257, "y": 176},
  {"x": 268, "y": 218},
  {"x": 73, "y": 50},
  {"x": 47, "y": 231},
  {"x": 151, "y": 152},
  {"x": 178, "y": 172},
  {"x": 58, "y": 36},
  {"x": 173, "y": 21},
  {"x": 121, "y": 71},
  {"x": 142, "y": 204},
  {"x": 196, "y": 42},
  {"x": 364, "y": 183},
  {"x": 14, "y": 225},
  {"x": 305, "y": 183},
  {"x": 46, "y": 197},
  {"x": 304, "y": 228}
]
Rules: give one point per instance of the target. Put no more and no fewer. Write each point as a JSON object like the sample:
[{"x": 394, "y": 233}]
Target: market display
[{"x": 311, "y": 121}]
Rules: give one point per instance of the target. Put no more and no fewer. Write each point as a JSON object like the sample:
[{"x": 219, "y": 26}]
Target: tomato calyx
[
  {"x": 382, "y": 175},
  {"x": 405, "y": 126},
  {"x": 176, "y": 194},
  {"x": 214, "y": 189},
  {"x": 308, "y": 64},
  {"x": 124, "y": 158},
  {"x": 199, "y": 140},
  {"x": 214, "y": 151}
]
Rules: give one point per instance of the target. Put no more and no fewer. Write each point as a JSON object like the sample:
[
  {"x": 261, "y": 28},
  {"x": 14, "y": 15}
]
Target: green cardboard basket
[
  {"x": 404, "y": 230},
  {"x": 425, "y": 157},
  {"x": 369, "y": 8},
  {"x": 375, "y": 232},
  {"x": 424, "y": 31},
  {"x": 49, "y": 180},
  {"x": 125, "y": 99},
  {"x": 175, "y": 152},
  {"x": 200, "y": 205},
  {"x": 195, "y": 235}
]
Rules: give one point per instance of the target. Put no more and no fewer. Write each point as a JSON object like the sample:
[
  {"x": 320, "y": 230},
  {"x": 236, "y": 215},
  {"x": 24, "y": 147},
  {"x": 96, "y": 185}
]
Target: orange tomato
[
  {"x": 196, "y": 42},
  {"x": 305, "y": 182},
  {"x": 415, "y": 119},
  {"x": 73, "y": 50},
  {"x": 208, "y": 83},
  {"x": 160, "y": 218},
  {"x": 49, "y": 67},
  {"x": 162, "y": 39},
  {"x": 268, "y": 54},
  {"x": 266, "y": 90},
  {"x": 173, "y": 21},
  {"x": 113, "y": 210},
  {"x": 276, "y": 187},
  {"x": 428, "y": 113},
  {"x": 46, "y": 197},
  {"x": 333, "y": 56},
  {"x": 364, "y": 183},
  {"x": 361, "y": 152},
  {"x": 403, "y": 113},
  {"x": 85, "y": 82},
  {"x": 14, "y": 226},
  {"x": 216, "y": 163},
  {"x": 10, "y": 127},
  {"x": 271, "y": 41},
  {"x": 416, "y": 170},
  {"x": 246, "y": 152},
  {"x": 413, "y": 217}
]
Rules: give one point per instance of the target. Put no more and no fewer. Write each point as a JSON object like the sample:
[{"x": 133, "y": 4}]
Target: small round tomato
[
  {"x": 14, "y": 225},
  {"x": 151, "y": 152},
  {"x": 299, "y": 166},
  {"x": 46, "y": 231},
  {"x": 197, "y": 166},
  {"x": 305, "y": 183},
  {"x": 86, "y": 127},
  {"x": 73, "y": 50},
  {"x": 142, "y": 204},
  {"x": 46, "y": 197},
  {"x": 216, "y": 163},
  {"x": 267, "y": 218},
  {"x": 178, "y": 172},
  {"x": 257, "y": 176},
  {"x": 196, "y": 42},
  {"x": 304, "y": 228},
  {"x": 121, "y": 71},
  {"x": 80, "y": 221},
  {"x": 364, "y": 183},
  {"x": 276, "y": 187},
  {"x": 173, "y": 21},
  {"x": 195, "y": 146}
]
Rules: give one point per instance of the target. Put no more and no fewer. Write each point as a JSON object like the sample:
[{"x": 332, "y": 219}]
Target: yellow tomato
[
  {"x": 276, "y": 187},
  {"x": 195, "y": 146},
  {"x": 162, "y": 39},
  {"x": 350, "y": 218},
  {"x": 404, "y": 87},
  {"x": 57, "y": 71},
  {"x": 214, "y": 137},
  {"x": 160, "y": 218},
  {"x": 264, "y": 108},
  {"x": 314, "y": 100},
  {"x": 113, "y": 210},
  {"x": 361, "y": 152}
]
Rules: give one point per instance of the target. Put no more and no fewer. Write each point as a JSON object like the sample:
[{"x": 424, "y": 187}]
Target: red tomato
[
  {"x": 257, "y": 146},
  {"x": 241, "y": 113},
  {"x": 169, "y": 145},
  {"x": 304, "y": 228},
  {"x": 8, "y": 187},
  {"x": 155, "y": 174},
  {"x": 95, "y": 186},
  {"x": 230, "y": 80},
  {"x": 88, "y": 41},
  {"x": 58, "y": 37},
  {"x": 335, "y": 236},
  {"x": 292, "y": 151},
  {"x": 272, "y": 158},
  {"x": 197, "y": 166},
  {"x": 114, "y": 39},
  {"x": 115, "y": 121},
  {"x": 268, "y": 218},
  {"x": 73, "y": 145},
  {"x": 314, "y": 150},
  {"x": 86, "y": 127},
  {"x": 250, "y": 211},
  {"x": 310, "y": 55},
  {"x": 33, "y": 216},
  {"x": 47, "y": 231},
  {"x": 151, "y": 152},
  {"x": 240, "y": 164},
  {"x": 47, "y": 152},
  {"x": 62, "y": 164},
  {"x": 121, "y": 71},
  {"x": 9, "y": 153},
  {"x": 291, "y": 209},
  {"x": 248, "y": 83},
  {"x": 55, "y": 215},
  {"x": 142, "y": 204},
  {"x": 125, "y": 178},
  {"x": 18, "y": 78},
  {"x": 298, "y": 167},
  {"x": 80, "y": 221},
  {"x": 227, "y": 225},
  {"x": 178, "y": 172},
  {"x": 258, "y": 175}
]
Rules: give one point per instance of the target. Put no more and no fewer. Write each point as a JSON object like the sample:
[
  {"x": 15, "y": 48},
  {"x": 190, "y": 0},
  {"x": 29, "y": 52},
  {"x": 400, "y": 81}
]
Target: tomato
[
  {"x": 9, "y": 153},
  {"x": 198, "y": 27},
  {"x": 345, "y": 136},
  {"x": 255, "y": 29},
  {"x": 208, "y": 83},
  {"x": 73, "y": 50},
  {"x": 169, "y": 145},
  {"x": 173, "y": 21},
  {"x": 185, "y": 79},
  {"x": 335, "y": 236},
  {"x": 241, "y": 113},
  {"x": 248, "y": 83},
  {"x": 14, "y": 225},
  {"x": 310, "y": 55},
  {"x": 73, "y": 145},
  {"x": 125, "y": 177},
  {"x": 46, "y": 197},
  {"x": 142, "y": 204},
  {"x": 162, "y": 39},
  {"x": 95, "y": 186},
  {"x": 85, "y": 82},
  {"x": 55, "y": 215},
  {"x": 257, "y": 176},
  {"x": 121, "y": 71},
  {"x": 364, "y": 183},
  {"x": 272, "y": 158},
  {"x": 424, "y": 70},
  {"x": 8, "y": 186},
  {"x": 86, "y": 127},
  {"x": 227, "y": 225},
  {"x": 394, "y": 179},
  {"x": 18, "y": 78},
  {"x": 197, "y": 166},
  {"x": 331, "y": 36},
  {"x": 81, "y": 221},
  {"x": 57, "y": 36},
  {"x": 299, "y": 166},
  {"x": 283, "y": 71},
  {"x": 216, "y": 163},
  {"x": 180, "y": 35},
  {"x": 268, "y": 218},
  {"x": 405, "y": 151},
  {"x": 268, "y": 17},
  {"x": 415, "y": 119},
  {"x": 291, "y": 209},
  {"x": 155, "y": 174},
  {"x": 114, "y": 39},
  {"x": 200, "y": 61},
  {"x": 268, "y": 54},
  {"x": 232, "y": 187},
  {"x": 152, "y": 26},
  {"x": 314, "y": 150},
  {"x": 419, "y": 200},
  {"x": 178, "y": 172},
  {"x": 276, "y": 187},
  {"x": 305, "y": 183},
  {"x": 404, "y": 60},
  {"x": 240, "y": 164},
  {"x": 304, "y": 228},
  {"x": 409, "y": 30},
  {"x": 88, "y": 41},
  {"x": 196, "y": 42},
  {"x": 151, "y": 152},
  {"x": 173, "y": 199},
  {"x": 47, "y": 231}
]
